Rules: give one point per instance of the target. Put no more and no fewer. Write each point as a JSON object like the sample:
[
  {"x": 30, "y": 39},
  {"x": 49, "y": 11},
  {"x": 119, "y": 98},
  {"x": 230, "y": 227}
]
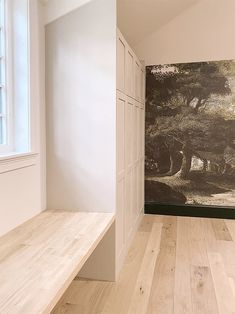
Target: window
[
  {"x": 14, "y": 77},
  {"x": 3, "y": 107}
]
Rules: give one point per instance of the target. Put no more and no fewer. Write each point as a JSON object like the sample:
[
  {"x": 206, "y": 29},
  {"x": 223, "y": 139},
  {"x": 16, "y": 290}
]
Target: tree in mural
[
  {"x": 186, "y": 113},
  {"x": 189, "y": 84}
]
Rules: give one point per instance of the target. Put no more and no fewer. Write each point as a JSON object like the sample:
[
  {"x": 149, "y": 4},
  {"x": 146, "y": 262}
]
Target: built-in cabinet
[{"x": 130, "y": 144}]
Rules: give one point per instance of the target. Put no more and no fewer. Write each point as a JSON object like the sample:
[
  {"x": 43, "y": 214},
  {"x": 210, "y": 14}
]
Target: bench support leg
[{"x": 101, "y": 264}]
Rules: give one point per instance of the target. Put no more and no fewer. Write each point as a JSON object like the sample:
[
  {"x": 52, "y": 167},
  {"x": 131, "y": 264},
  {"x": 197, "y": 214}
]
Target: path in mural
[
  {"x": 206, "y": 189},
  {"x": 219, "y": 199}
]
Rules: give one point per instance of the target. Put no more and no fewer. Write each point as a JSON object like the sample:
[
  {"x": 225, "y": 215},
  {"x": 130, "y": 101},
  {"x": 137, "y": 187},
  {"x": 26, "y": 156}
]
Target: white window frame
[
  {"x": 6, "y": 77},
  {"x": 12, "y": 159},
  {"x": 10, "y": 146}
]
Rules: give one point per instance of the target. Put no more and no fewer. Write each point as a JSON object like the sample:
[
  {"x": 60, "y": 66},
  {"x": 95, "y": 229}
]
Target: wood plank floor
[{"x": 175, "y": 265}]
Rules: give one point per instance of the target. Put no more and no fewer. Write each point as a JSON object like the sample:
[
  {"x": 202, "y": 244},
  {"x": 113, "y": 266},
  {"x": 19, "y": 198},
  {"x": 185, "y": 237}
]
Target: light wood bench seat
[{"x": 40, "y": 258}]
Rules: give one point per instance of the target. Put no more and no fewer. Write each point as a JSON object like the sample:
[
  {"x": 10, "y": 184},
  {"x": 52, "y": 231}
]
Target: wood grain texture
[
  {"x": 140, "y": 297},
  {"x": 230, "y": 224},
  {"x": 39, "y": 259},
  {"x": 108, "y": 302},
  {"x": 197, "y": 245},
  {"x": 223, "y": 289},
  {"x": 194, "y": 272},
  {"x": 221, "y": 230},
  {"x": 203, "y": 293},
  {"x": 162, "y": 292},
  {"x": 182, "y": 288}
]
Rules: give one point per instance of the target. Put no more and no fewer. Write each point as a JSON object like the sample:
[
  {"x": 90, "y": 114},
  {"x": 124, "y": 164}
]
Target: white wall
[
  {"x": 203, "y": 32},
  {"x": 57, "y": 8},
  {"x": 81, "y": 112},
  {"x": 20, "y": 197},
  {"x": 22, "y": 179}
]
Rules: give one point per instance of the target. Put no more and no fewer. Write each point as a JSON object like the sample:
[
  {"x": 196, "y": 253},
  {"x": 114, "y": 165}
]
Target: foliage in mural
[{"x": 190, "y": 133}]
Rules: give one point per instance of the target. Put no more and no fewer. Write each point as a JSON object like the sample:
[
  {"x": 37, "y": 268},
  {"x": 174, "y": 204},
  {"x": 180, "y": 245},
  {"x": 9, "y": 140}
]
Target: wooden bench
[{"x": 40, "y": 258}]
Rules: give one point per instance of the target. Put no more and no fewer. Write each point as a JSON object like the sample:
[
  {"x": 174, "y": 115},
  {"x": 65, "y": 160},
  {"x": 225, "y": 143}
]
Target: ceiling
[{"x": 139, "y": 18}]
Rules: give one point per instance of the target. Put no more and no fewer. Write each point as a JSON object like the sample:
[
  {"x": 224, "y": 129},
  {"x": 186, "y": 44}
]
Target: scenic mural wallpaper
[{"x": 190, "y": 133}]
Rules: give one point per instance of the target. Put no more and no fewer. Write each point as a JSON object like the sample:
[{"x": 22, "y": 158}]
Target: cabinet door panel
[
  {"x": 130, "y": 74},
  {"x": 135, "y": 122},
  {"x": 120, "y": 219},
  {"x": 121, "y": 47},
  {"x": 142, "y": 182},
  {"x": 142, "y": 132},
  {"x": 134, "y": 194},
  {"x": 139, "y": 135},
  {"x": 137, "y": 80},
  {"x": 130, "y": 142},
  {"x": 128, "y": 203},
  {"x": 120, "y": 135},
  {"x": 129, "y": 131},
  {"x": 142, "y": 86}
]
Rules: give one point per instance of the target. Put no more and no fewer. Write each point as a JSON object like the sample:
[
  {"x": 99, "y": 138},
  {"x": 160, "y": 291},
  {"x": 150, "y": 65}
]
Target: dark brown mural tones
[{"x": 190, "y": 133}]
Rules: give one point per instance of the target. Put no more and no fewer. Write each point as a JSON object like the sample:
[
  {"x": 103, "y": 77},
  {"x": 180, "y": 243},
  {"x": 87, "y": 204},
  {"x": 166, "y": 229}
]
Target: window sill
[{"x": 16, "y": 161}]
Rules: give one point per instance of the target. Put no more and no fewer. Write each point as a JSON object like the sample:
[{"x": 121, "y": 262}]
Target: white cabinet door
[
  {"x": 139, "y": 135},
  {"x": 130, "y": 73},
  {"x": 142, "y": 86},
  {"x": 137, "y": 80},
  {"x": 142, "y": 133},
  {"x": 130, "y": 143},
  {"x": 142, "y": 182},
  {"x": 121, "y": 63},
  {"x": 120, "y": 213},
  {"x": 134, "y": 193},
  {"x": 120, "y": 217},
  {"x": 121, "y": 101},
  {"x": 128, "y": 204},
  {"x": 129, "y": 134},
  {"x": 135, "y": 136}
]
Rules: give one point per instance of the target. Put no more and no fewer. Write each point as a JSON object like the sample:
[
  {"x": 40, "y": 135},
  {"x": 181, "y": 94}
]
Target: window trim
[
  {"x": 7, "y": 85},
  {"x": 3, "y": 113},
  {"x": 10, "y": 145},
  {"x": 12, "y": 160},
  {"x": 16, "y": 161}
]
